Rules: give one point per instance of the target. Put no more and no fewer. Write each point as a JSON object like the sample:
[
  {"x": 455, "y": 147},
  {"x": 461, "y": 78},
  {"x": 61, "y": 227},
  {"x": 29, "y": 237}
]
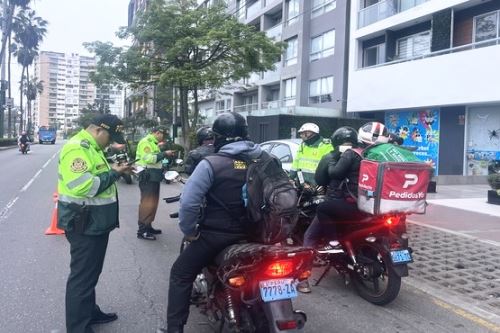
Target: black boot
[{"x": 154, "y": 231}]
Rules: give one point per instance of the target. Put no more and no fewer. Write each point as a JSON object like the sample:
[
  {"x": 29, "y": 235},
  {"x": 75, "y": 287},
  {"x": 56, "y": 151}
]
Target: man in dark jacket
[
  {"x": 205, "y": 147},
  {"x": 217, "y": 179}
]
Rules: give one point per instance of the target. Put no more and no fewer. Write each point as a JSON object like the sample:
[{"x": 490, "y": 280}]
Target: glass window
[
  {"x": 414, "y": 45},
  {"x": 323, "y": 46},
  {"x": 282, "y": 152},
  {"x": 374, "y": 55},
  {"x": 320, "y": 90},
  {"x": 292, "y": 11},
  {"x": 290, "y": 91},
  {"x": 266, "y": 147},
  {"x": 291, "y": 51},
  {"x": 322, "y": 6},
  {"x": 486, "y": 27}
]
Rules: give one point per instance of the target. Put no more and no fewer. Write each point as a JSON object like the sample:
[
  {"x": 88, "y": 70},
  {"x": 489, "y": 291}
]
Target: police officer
[
  {"x": 310, "y": 152},
  {"x": 150, "y": 158},
  {"x": 205, "y": 147},
  {"x": 88, "y": 211},
  {"x": 218, "y": 179}
]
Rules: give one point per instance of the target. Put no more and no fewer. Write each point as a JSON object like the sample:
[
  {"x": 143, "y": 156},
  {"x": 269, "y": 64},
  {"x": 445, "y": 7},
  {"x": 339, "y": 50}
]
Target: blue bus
[{"x": 47, "y": 134}]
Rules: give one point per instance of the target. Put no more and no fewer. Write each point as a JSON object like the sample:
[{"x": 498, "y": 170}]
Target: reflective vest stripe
[
  {"x": 87, "y": 201},
  {"x": 95, "y": 187},
  {"x": 79, "y": 181}
]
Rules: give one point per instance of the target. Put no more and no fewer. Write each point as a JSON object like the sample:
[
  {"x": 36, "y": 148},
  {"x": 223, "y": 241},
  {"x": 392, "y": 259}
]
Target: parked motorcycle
[
  {"x": 249, "y": 288},
  {"x": 118, "y": 153}
]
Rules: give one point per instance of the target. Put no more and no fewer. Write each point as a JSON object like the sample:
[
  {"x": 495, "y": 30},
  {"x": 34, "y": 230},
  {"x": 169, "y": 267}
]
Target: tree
[
  {"x": 188, "y": 48},
  {"x": 8, "y": 17},
  {"x": 33, "y": 88},
  {"x": 29, "y": 32}
]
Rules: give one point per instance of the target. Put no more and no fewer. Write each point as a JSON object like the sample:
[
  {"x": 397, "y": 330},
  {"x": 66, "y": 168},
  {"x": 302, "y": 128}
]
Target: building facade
[
  {"x": 429, "y": 68},
  {"x": 309, "y": 79}
]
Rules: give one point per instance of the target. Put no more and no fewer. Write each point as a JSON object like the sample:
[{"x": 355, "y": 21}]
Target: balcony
[
  {"x": 384, "y": 9},
  {"x": 458, "y": 76},
  {"x": 248, "y": 108},
  {"x": 275, "y": 32},
  {"x": 253, "y": 9}
]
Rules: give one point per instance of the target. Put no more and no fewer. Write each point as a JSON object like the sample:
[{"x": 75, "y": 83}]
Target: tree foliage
[{"x": 178, "y": 45}]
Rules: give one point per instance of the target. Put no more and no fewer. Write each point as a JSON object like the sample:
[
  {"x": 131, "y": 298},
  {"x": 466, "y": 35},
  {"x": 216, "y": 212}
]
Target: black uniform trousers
[
  {"x": 200, "y": 253},
  {"x": 150, "y": 195},
  {"x": 87, "y": 259}
]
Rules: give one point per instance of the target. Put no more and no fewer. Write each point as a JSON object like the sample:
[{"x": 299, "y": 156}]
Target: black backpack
[{"x": 271, "y": 200}]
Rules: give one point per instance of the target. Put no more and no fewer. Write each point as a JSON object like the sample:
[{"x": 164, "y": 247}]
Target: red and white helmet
[
  {"x": 311, "y": 127},
  {"x": 373, "y": 132}
]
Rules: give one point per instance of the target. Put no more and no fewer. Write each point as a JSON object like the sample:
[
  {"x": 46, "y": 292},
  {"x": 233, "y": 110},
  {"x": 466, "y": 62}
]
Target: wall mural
[
  {"x": 418, "y": 129},
  {"x": 483, "y": 139}
]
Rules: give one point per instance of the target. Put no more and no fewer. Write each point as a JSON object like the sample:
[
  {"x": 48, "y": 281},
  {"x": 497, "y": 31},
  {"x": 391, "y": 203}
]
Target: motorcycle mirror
[
  {"x": 179, "y": 161},
  {"x": 171, "y": 176}
]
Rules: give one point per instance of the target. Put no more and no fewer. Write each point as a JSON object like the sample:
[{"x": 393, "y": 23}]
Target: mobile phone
[{"x": 132, "y": 162}]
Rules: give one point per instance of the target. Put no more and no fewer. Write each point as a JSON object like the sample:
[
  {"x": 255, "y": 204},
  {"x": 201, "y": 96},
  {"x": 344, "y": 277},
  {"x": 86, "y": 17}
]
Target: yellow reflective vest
[{"x": 308, "y": 157}]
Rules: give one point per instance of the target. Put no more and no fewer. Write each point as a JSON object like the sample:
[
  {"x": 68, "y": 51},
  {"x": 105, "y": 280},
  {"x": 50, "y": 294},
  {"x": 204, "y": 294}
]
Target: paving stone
[{"x": 466, "y": 268}]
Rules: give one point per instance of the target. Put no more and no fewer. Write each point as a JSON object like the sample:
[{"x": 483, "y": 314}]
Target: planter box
[
  {"x": 493, "y": 197},
  {"x": 431, "y": 188}
]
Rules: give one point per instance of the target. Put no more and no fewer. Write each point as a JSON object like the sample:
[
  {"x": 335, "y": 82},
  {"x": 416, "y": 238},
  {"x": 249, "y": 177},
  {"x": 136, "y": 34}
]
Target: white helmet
[
  {"x": 309, "y": 127},
  {"x": 373, "y": 132}
]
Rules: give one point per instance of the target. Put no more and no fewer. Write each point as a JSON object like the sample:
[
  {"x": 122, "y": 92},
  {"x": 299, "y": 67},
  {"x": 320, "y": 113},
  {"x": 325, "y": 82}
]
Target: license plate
[
  {"x": 401, "y": 256},
  {"x": 273, "y": 290}
]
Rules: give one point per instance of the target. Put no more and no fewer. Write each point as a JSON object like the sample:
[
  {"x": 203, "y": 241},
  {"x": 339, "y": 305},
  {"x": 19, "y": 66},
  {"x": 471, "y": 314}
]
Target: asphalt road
[{"x": 134, "y": 282}]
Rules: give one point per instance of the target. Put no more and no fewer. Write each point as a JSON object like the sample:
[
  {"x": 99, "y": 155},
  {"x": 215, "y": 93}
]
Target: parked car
[{"x": 284, "y": 150}]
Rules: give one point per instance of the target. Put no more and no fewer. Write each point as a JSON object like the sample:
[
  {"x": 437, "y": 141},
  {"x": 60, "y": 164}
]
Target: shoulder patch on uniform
[
  {"x": 147, "y": 150},
  {"x": 85, "y": 143},
  {"x": 239, "y": 165},
  {"x": 79, "y": 165}
]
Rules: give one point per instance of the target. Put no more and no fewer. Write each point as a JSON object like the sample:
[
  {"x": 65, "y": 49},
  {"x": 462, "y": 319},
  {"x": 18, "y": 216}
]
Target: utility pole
[{"x": 3, "y": 83}]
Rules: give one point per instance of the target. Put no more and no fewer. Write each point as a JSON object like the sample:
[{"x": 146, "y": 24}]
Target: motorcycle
[
  {"x": 372, "y": 253},
  {"x": 249, "y": 287},
  {"x": 24, "y": 148},
  {"x": 118, "y": 153}
]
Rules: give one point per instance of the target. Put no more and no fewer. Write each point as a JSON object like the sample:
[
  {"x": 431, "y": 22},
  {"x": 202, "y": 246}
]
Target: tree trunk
[
  {"x": 9, "y": 117},
  {"x": 21, "y": 118},
  {"x": 28, "y": 101},
  {"x": 183, "y": 96},
  {"x": 7, "y": 32}
]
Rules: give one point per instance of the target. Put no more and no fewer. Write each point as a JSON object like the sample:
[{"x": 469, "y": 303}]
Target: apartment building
[
  {"x": 67, "y": 89},
  {"x": 429, "y": 68},
  {"x": 309, "y": 79}
]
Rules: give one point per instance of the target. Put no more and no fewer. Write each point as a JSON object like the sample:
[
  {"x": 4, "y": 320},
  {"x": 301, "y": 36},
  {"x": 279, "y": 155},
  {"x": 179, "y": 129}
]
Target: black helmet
[
  {"x": 231, "y": 126},
  {"x": 204, "y": 133},
  {"x": 344, "y": 134}
]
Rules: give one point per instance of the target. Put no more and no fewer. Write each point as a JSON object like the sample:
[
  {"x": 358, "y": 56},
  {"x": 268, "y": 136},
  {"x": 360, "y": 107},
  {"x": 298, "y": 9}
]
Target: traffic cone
[{"x": 53, "y": 229}]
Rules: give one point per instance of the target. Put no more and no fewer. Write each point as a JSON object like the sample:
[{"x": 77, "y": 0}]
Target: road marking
[
  {"x": 5, "y": 210},
  {"x": 467, "y": 315},
  {"x": 486, "y": 241}
]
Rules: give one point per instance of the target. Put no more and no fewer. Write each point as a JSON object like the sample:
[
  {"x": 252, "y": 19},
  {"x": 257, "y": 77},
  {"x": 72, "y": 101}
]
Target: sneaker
[
  {"x": 332, "y": 247},
  {"x": 154, "y": 231},
  {"x": 103, "y": 318},
  {"x": 304, "y": 287},
  {"x": 146, "y": 235}
]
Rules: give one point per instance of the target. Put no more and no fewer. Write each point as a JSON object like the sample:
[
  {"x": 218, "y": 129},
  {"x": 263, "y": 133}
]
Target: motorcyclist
[
  {"x": 310, "y": 152},
  {"x": 23, "y": 140},
  {"x": 218, "y": 179},
  {"x": 205, "y": 139}
]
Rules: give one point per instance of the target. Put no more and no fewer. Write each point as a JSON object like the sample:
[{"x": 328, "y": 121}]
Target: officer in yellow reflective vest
[
  {"x": 88, "y": 211},
  {"x": 149, "y": 158},
  {"x": 310, "y": 152}
]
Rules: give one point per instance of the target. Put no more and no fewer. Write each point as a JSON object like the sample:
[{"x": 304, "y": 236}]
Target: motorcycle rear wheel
[
  {"x": 250, "y": 322},
  {"x": 382, "y": 288}
]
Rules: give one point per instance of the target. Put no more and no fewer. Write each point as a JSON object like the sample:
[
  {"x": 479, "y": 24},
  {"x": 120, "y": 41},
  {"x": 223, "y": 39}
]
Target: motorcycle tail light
[
  {"x": 236, "y": 281},
  {"x": 305, "y": 275},
  {"x": 391, "y": 221},
  {"x": 286, "y": 324},
  {"x": 280, "y": 268}
]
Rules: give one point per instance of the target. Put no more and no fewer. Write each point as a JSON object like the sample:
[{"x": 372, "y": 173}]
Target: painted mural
[
  {"x": 419, "y": 129},
  {"x": 483, "y": 139}
]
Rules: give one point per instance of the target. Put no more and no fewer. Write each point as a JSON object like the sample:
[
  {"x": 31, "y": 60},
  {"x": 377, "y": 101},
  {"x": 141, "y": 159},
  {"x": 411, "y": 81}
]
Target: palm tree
[
  {"x": 8, "y": 17},
  {"x": 29, "y": 32},
  {"x": 33, "y": 88}
]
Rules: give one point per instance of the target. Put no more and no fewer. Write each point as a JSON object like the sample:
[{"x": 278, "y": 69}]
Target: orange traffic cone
[{"x": 53, "y": 229}]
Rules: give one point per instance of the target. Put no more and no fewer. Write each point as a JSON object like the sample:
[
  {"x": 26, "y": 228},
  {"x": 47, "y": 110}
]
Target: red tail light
[
  {"x": 391, "y": 221},
  {"x": 280, "y": 268},
  {"x": 286, "y": 324}
]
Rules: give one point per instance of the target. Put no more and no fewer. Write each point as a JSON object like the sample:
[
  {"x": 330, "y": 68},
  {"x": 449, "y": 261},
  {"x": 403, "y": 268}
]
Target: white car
[{"x": 284, "y": 150}]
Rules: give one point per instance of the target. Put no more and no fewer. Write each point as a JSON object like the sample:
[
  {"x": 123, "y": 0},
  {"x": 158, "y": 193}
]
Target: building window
[
  {"x": 291, "y": 51},
  {"x": 290, "y": 92},
  {"x": 322, "y": 6},
  {"x": 414, "y": 45},
  {"x": 486, "y": 26},
  {"x": 292, "y": 11},
  {"x": 323, "y": 45},
  {"x": 320, "y": 90},
  {"x": 374, "y": 55}
]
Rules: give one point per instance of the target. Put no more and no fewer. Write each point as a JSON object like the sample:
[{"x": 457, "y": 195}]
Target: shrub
[{"x": 494, "y": 181}]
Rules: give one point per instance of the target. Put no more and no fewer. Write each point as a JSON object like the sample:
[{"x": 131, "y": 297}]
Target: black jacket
[
  {"x": 196, "y": 155},
  {"x": 340, "y": 171}
]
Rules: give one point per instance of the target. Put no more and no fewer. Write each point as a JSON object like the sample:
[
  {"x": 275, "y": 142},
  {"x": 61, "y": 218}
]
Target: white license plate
[
  {"x": 277, "y": 289},
  {"x": 401, "y": 256}
]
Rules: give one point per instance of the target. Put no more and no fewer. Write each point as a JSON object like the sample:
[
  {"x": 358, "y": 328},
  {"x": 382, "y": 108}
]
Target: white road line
[
  {"x": 486, "y": 241},
  {"x": 5, "y": 211},
  {"x": 28, "y": 184}
]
